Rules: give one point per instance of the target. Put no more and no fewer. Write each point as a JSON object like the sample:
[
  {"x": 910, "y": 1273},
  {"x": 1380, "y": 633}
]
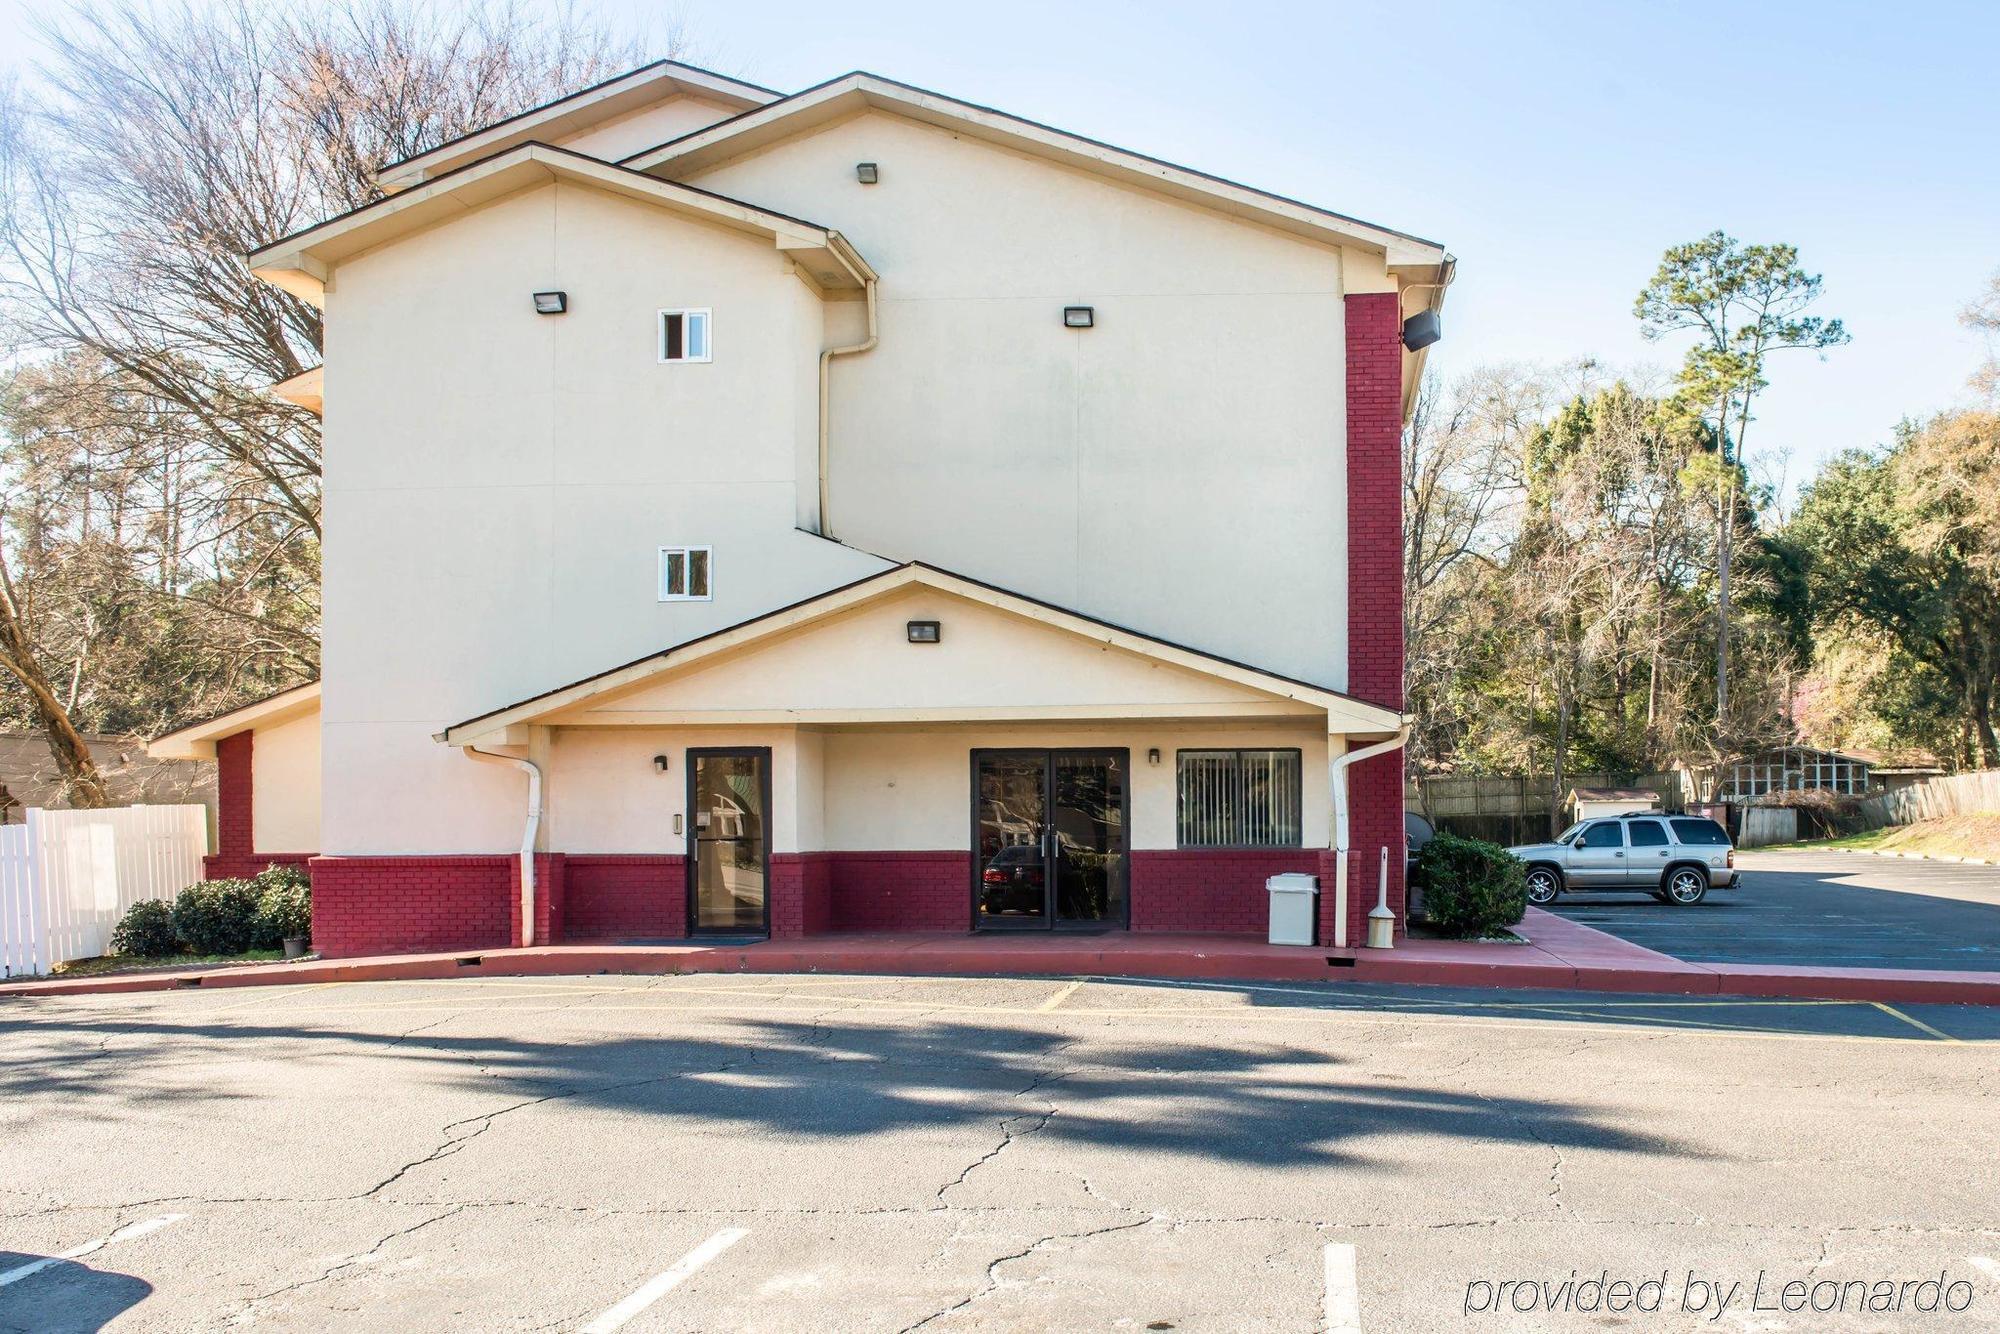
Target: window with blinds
[{"x": 1239, "y": 799}]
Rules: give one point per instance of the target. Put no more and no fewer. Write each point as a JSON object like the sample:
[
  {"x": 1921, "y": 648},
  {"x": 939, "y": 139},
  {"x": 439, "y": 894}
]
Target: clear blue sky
[{"x": 1555, "y": 148}]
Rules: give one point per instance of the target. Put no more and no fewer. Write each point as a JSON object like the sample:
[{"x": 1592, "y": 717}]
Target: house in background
[
  {"x": 133, "y": 776},
  {"x": 852, "y": 509},
  {"x": 1589, "y": 803}
]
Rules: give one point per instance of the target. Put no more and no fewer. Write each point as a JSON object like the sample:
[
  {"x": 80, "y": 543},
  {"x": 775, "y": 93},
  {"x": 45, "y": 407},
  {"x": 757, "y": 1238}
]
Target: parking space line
[
  {"x": 1343, "y": 1295},
  {"x": 1060, "y": 996},
  {"x": 127, "y": 1233},
  {"x": 666, "y": 1281},
  {"x": 1937, "y": 1033}
]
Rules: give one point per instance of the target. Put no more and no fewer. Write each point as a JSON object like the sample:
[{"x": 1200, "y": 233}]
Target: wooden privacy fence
[
  {"x": 1766, "y": 825},
  {"x": 1975, "y": 793},
  {"x": 66, "y": 877}
]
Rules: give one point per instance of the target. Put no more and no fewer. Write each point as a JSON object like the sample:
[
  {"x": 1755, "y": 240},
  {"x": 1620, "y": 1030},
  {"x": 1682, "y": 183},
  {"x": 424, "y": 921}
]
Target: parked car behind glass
[{"x": 1675, "y": 858}]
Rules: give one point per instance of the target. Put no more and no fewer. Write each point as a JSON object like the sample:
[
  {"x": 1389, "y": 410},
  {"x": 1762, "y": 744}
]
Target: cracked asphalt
[{"x": 946, "y": 1154}]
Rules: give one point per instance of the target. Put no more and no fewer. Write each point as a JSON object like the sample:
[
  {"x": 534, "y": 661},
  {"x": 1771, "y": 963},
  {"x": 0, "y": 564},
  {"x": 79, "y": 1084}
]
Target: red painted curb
[{"x": 1539, "y": 967}]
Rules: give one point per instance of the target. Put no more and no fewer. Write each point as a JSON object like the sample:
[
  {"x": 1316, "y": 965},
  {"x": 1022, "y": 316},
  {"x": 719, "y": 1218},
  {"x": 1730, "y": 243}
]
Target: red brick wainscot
[{"x": 1210, "y": 889}]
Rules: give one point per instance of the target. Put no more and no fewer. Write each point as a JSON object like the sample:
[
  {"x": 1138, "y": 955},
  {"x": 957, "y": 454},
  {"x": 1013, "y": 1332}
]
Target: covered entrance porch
[{"x": 922, "y": 753}]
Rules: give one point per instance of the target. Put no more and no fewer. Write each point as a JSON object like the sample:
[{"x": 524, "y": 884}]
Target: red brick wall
[
  {"x": 1374, "y": 599},
  {"x": 801, "y": 894},
  {"x": 1209, "y": 889},
  {"x": 392, "y": 905},
  {"x": 235, "y": 856},
  {"x": 610, "y": 897},
  {"x": 900, "y": 891}
]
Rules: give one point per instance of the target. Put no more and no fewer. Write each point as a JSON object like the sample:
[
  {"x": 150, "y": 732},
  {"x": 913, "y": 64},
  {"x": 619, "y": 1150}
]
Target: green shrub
[
  {"x": 1471, "y": 888},
  {"x": 146, "y": 931},
  {"x": 280, "y": 876},
  {"x": 284, "y": 910},
  {"x": 217, "y": 916}
]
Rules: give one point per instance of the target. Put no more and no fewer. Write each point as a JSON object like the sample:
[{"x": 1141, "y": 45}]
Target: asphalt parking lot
[
  {"x": 843, "y": 1153},
  {"x": 1823, "y": 909}
]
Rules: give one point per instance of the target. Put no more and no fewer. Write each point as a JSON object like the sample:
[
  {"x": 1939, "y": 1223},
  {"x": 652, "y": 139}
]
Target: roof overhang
[
  {"x": 1281, "y": 696},
  {"x": 303, "y": 263},
  {"x": 853, "y": 93},
  {"x": 579, "y": 111},
  {"x": 307, "y": 389},
  {"x": 197, "y": 741}
]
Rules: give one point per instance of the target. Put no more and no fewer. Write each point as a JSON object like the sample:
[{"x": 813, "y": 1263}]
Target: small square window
[
  {"x": 684, "y": 336},
  {"x": 684, "y": 574}
]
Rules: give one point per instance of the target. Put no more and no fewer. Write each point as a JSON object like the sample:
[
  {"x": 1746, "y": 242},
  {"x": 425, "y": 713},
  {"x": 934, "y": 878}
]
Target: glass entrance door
[
  {"x": 1049, "y": 838},
  {"x": 729, "y": 862}
]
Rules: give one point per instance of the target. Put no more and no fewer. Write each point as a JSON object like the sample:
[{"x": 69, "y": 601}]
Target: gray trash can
[{"x": 1294, "y": 908}]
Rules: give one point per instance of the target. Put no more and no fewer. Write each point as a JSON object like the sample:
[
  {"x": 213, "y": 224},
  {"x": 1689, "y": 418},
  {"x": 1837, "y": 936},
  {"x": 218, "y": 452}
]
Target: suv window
[
  {"x": 1648, "y": 834},
  {"x": 1607, "y": 835},
  {"x": 1704, "y": 832}
]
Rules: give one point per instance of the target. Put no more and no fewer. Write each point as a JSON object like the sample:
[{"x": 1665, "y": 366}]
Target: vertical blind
[{"x": 1239, "y": 798}]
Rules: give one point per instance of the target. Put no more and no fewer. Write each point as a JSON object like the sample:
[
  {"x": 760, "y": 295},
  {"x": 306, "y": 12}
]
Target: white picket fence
[{"x": 66, "y": 877}]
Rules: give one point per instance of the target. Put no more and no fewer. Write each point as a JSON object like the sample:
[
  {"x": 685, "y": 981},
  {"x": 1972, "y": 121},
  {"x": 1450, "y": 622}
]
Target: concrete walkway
[{"x": 1561, "y": 954}]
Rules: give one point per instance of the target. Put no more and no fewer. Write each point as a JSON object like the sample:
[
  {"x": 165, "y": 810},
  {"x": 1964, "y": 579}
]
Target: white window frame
[
  {"x": 687, "y": 557},
  {"x": 686, "y": 312}
]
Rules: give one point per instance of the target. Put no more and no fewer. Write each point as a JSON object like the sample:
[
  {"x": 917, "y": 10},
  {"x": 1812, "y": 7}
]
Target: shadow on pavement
[
  {"x": 68, "y": 1297},
  {"x": 830, "y": 1079}
]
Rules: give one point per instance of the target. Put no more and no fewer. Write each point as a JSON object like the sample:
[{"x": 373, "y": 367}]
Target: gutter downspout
[
  {"x": 1337, "y": 777},
  {"x": 528, "y": 833},
  {"x": 826, "y": 356}
]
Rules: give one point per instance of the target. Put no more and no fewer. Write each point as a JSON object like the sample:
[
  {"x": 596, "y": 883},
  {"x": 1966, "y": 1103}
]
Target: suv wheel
[
  {"x": 1543, "y": 885},
  {"x": 1686, "y": 886}
]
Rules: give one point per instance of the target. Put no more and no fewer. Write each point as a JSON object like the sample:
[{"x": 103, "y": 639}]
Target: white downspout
[
  {"x": 1337, "y": 778},
  {"x": 826, "y": 357},
  {"x": 529, "y": 833}
]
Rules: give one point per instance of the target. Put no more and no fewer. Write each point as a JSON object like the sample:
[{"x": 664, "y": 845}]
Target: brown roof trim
[
  {"x": 882, "y": 574},
  {"x": 571, "y": 97},
  {"x": 1047, "y": 128}
]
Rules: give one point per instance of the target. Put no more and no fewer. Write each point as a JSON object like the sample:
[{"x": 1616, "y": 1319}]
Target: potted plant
[{"x": 285, "y": 909}]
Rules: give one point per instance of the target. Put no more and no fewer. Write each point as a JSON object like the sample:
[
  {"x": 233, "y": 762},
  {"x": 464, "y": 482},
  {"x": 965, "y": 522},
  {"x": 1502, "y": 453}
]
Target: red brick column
[
  {"x": 1374, "y": 599},
  {"x": 235, "y": 817}
]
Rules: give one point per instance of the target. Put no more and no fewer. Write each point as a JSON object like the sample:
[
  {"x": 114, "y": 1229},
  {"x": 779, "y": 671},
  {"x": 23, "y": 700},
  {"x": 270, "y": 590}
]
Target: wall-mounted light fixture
[
  {"x": 660, "y": 763},
  {"x": 1153, "y": 755},
  {"x": 551, "y": 303},
  {"x": 925, "y": 632},
  {"x": 1421, "y": 330},
  {"x": 1079, "y": 317},
  {"x": 867, "y": 173}
]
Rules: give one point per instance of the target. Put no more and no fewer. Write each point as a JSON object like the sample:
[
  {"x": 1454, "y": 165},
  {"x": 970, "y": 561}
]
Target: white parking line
[
  {"x": 1343, "y": 1295},
  {"x": 126, "y": 1233},
  {"x": 665, "y": 1282}
]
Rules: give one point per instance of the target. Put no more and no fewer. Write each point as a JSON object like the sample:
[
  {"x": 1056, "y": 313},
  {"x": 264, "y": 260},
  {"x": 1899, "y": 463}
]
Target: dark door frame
[
  {"x": 762, "y": 754},
  {"x": 1050, "y": 869}
]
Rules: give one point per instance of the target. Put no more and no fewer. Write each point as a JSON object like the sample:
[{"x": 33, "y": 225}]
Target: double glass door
[{"x": 1049, "y": 838}]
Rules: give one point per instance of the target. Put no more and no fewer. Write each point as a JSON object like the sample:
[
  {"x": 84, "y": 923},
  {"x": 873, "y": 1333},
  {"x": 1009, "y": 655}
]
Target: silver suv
[{"x": 1675, "y": 858}]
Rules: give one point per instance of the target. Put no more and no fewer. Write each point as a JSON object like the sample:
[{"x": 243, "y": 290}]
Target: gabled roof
[
  {"x": 307, "y": 389},
  {"x": 300, "y": 263},
  {"x": 785, "y": 117},
  {"x": 1344, "y": 712},
  {"x": 578, "y": 111},
  {"x": 197, "y": 741}
]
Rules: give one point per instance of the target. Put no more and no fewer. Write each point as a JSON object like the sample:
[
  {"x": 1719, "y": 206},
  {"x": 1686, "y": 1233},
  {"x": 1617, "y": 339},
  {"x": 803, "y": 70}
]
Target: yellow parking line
[
  {"x": 1939, "y": 1034},
  {"x": 1064, "y": 994}
]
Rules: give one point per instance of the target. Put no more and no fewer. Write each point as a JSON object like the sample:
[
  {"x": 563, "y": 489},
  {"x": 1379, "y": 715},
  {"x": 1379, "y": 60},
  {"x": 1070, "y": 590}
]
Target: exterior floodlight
[
  {"x": 867, "y": 173},
  {"x": 1079, "y": 317},
  {"x": 925, "y": 632},
  {"x": 551, "y": 303},
  {"x": 1421, "y": 330}
]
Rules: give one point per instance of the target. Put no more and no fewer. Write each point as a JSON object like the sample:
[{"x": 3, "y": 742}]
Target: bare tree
[{"x": 168, "y": 140}]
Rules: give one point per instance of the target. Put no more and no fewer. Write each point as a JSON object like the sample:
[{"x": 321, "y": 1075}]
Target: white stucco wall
[
  {"x": 1178, "y": 468},
  {"x": 285, "y": 785},
  {"x": 870, "y": 791},
  {"x": 498, "y": 484}
]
